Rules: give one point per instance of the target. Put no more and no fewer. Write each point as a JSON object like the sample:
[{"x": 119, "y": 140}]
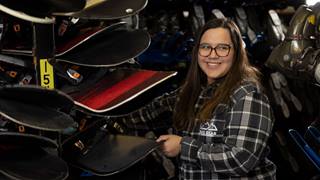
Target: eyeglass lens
[{"x": 221, "y": 50}]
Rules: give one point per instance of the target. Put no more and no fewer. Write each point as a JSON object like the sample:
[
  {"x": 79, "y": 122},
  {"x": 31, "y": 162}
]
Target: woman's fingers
[
  {"x": 170, "y": 145},
  {"x": 162, "y": 138}
]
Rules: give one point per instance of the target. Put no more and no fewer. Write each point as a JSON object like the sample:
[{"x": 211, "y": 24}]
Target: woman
[{"x": 221, "y": 119}]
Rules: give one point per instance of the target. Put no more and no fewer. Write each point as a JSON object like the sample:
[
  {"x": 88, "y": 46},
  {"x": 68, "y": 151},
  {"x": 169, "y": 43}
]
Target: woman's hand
[{"x": 171, "y": 144}]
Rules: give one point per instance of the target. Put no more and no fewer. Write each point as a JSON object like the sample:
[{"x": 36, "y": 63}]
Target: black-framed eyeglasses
[{"x": 221, "y": 50}]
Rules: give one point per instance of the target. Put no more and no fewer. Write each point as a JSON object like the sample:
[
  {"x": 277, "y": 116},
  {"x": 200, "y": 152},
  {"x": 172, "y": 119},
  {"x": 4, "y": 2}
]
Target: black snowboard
[
  {"x": 95, "y": 150},
  {"x": 36, "y": 107},
  {"x": 110, "y": 9},
  {"x": 22, "y": 156}
]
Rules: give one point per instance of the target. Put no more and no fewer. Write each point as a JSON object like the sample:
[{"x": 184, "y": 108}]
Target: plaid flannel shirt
[{"x": 231, "y": 145}]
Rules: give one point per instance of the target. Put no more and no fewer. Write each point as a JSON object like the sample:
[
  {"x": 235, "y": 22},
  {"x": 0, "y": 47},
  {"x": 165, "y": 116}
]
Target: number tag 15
[{"x": 46, "y": 74}]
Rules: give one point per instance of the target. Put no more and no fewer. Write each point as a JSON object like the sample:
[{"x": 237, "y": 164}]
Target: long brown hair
[{"x": 185, "y": 116}]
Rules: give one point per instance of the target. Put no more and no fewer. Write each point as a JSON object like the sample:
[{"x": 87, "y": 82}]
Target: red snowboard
[{"x": 119, "y": 87}]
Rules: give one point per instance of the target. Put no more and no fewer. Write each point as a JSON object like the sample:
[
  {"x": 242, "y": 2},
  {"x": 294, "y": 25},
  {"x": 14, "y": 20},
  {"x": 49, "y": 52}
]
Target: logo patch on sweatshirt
[{"x": 208, "y": 129}]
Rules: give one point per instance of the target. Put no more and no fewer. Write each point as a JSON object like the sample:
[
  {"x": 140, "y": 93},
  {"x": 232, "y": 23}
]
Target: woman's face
[{"x": 215, "y": 53}]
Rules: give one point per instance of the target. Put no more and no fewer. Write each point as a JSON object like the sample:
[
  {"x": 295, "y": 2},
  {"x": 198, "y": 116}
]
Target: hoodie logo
[{"x": 208, "y": 129}]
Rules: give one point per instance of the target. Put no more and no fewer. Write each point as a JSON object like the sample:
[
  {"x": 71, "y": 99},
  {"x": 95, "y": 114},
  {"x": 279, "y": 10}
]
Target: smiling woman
[
  {"x": 215, "y": 64},
  {"x": 221, "y": 118}
]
